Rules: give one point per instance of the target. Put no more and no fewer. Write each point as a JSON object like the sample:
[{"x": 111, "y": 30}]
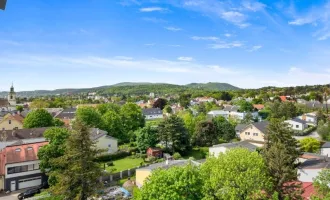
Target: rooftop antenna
[{"x": 3, "y": 4}]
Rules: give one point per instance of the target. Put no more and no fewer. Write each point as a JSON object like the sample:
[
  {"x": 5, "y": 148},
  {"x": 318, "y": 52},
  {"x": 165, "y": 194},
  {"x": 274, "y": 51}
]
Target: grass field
[
  {"x": 124, "y": 164},
  {"x": 197, "y": 154}
]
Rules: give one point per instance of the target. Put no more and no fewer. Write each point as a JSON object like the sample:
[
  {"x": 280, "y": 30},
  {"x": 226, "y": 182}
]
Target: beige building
[
  {"x": 104, "y": 141},
  {"x": 11, "y": 122},
  {"x": 254, "y": 132}
]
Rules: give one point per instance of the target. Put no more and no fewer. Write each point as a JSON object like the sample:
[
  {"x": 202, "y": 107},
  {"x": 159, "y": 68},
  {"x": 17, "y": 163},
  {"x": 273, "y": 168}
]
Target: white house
[
  {"x": 241, "y": 115},
  {"x": 297, "y": 124},
  {"x": 152, "y": 113},
  {"x": 103, "y": 140},
  {"x": 325, "y": 149},
  {"x": 309, "y": 118},
  {"x": 215, "y": 150},
  {"x": 216, "y": 113},
  {"x": 311, "y": 168}
]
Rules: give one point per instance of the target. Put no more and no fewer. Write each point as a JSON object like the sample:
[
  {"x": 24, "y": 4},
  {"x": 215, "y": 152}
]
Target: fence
[{"x": 120, "y": 175}]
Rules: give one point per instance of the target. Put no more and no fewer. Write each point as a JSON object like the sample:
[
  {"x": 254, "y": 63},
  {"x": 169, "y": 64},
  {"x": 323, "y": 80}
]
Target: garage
[{"x": 29, "y": 182}]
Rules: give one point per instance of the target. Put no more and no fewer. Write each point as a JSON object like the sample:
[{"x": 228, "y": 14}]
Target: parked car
[{"x": 29, "y": 193}]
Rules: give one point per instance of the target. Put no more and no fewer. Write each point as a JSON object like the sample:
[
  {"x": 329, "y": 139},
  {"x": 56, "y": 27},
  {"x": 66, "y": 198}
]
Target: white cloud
[
  {"x": 150, "y": 44},
  {"x": 174, "y": 45},
  {"x": 253, "y": 6},
  {"x": 152, "y": 9},
  {"x": 174, "y": 29},
  {"x": 154, "y": 20},
  {"x": 255, "y": 48},
  {"x": 235, "y": 17},
  {"x": 123, "y": 58},
  {"x": 182, "y": 58},
  {"x": 226, "y": 45},
  {"x": 212, "y": 38},
  {"x": 227, "y": 35}
]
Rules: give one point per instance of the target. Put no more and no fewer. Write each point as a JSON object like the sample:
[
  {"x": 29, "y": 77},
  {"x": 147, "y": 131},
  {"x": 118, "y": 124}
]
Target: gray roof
[
  {"x": 97, "y": 133},
  {"x": 68, "y": 113},
  {"x": 315, "y": 164},
  {"x": 152, "y": 111},
  {"x": 262, "y": 126},
  {"x": 240, "y": 127},
  {"x": 298, "y": 120},
  {"x": 231, "y": 108},
  {"x": 326, "y": 145},
  {"x": 171, "y": 163},
  {"x": 241, "y": 144}
]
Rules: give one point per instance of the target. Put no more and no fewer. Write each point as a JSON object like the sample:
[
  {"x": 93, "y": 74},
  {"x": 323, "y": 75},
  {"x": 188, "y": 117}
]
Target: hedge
[
  {"x": 112, "y": 156},
  {"x": 306, "y": 131}
]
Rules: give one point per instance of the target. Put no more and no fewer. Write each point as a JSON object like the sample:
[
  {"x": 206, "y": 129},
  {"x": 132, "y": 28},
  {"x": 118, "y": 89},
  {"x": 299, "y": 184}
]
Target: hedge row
[{"x": 306, "y": 131}]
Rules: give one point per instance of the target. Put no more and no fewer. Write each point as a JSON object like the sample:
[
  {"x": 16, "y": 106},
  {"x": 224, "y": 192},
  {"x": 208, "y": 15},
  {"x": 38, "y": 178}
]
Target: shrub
[
  {"x": 150, "y": 159},
  {"x": 176, "y": 156},
  {"x": 112, "y": 156},
  {"x": 110, "y": 163}
]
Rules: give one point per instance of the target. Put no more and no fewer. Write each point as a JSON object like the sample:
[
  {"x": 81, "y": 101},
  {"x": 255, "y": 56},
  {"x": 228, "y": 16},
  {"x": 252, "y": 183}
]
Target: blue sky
[{"x": 85, "y": 43}]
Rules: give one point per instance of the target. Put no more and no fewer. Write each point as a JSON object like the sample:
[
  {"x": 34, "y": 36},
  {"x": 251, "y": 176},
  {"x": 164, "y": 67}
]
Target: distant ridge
[{"x": 134, "y": 88}]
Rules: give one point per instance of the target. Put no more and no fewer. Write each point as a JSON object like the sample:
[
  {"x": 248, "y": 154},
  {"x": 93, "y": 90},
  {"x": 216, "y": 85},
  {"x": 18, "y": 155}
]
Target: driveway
[
  {"x": 10, "y": 197},
  {"x": 313, "y": 134}
]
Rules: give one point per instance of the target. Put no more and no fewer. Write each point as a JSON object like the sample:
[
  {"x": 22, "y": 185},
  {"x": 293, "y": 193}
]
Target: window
[
  {"x": 9, "y": 121},
  {"x": 36, "y": 166},
  {"x": 29, "y": 148},
  {"x": 18, "y": 150},
  {"x": 30, "y": 167},
  {"x": 3, "y": 129},
  {"x": 297, "y": 126},
  {"x": 255, "y": 134},
  {"x": 16, "y": 128},
  {"x": 109, "y": 145}
]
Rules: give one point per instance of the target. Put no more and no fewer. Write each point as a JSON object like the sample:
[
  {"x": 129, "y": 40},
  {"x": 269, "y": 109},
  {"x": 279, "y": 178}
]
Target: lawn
[
  {"x": 124, "y": 164},
  {"x": 197, "y": 154}
]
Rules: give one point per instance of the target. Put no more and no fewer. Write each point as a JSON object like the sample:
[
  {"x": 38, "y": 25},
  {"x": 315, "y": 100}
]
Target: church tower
[{"x": 12, "y": 96}]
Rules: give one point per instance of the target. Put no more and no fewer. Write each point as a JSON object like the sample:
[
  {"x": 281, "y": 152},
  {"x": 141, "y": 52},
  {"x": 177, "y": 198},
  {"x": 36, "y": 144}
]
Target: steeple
[{"x": 12, "y": 88}]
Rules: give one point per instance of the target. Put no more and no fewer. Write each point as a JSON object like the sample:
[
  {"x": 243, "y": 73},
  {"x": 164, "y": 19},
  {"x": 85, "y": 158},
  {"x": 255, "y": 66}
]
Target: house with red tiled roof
[
  {"x": 283, "y": 98},
  {"x": 259, "y": 106},
  {"x": 11, "y": 121}
]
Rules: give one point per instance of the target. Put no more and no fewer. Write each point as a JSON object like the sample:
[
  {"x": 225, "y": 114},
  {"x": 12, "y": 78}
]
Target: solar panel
[{"x": 3, "y": 4}]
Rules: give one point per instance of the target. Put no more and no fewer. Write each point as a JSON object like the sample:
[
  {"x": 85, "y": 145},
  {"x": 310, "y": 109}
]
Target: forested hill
[
  {"x": 213, "y": 86},
  {"x": 132, "y": 88}
]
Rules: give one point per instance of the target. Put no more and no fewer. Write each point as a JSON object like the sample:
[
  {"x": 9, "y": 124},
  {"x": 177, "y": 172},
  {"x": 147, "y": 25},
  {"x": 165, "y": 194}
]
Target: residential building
[
  {"x": 205, "y": 99},
  {"x": 309, "y": 118},
  {"x": 258, "y": 106},
  {"x": 325, "y": 149},
  {"x": 11, "y": 121},
  {"x": 311, "y": 168},
  {"x": 152, "y": 113},
  {"x": 103, "y": 140},
  {"x": 143, "y": 173},
  {"x": 67, "y": 115},
  {"x": 241, "y": 115},
  {"x": 239, "y": 128},
  {"x": 255, "y": 132},
  {"x": 216, "y": 113},
  {"x": 297, "y": 124},
  {"x": 155, "y": 152},
  {"x": 215, "y": 150}
]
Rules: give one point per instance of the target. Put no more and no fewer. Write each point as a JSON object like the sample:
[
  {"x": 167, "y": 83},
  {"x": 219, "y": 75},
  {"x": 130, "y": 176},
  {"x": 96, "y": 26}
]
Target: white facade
[
  {"x": 158, "y": 116},
  {"x": 325, "y": 152},
  {"x": 297, "y": 126},
  {"x": 310, "y": 118},
  {"x": 108, "y": 143},
  {"x": 241, "y": 115},
  {"x": 216, "y": 113},
  {"x": 32, "y": 166},
  {"x": 215, "y": 151},
  {"x": 307, "y": 175}
]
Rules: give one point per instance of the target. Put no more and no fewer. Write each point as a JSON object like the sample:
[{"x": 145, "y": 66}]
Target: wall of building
[
  {"x": 154, "y": 116},
  {"x": 108, "y": 143},
  {"x": 325, "y": 152},
  {"x": 215, "y": 151},
  {"x": 32, "y": 169},
  {"x": 141, "y": 175},
  {"x": 17, "y": 179},
  {"x": 5, "y": 125},
  {"x": 296, "y": 125},
  {"x": 307, "y": 175},
  {"x": 252, "y": 133}
]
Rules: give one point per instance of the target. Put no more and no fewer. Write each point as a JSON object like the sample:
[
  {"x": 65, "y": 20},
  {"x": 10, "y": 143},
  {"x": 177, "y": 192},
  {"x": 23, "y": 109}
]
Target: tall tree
[
  {"x": 184, "y": 100},
  {"x": 90, "y": 117},
  {"x": 322, "y": 185},
  {"x": 324, "y": 130},
  {"x": 38, "y": 118},
  {"x": 38, "y": 104},
  {"x": 146, "y": 137},
  {"x": 237, "y": 174},
  {"x": 174, "y": 134},
  {"x": 248, "y": 118},
  {"x": 167, "y": 109},
  {"x": 224, "y": 129},
  {"x": 113, "y": 124},
  {"x": 245, "y": 106},
  {"x": 160, "y": 103},
  {"x": 280, "y": 153},
  {"x": 132, "y": 116},
  {"x": 205, "y": 134},
  {"x": 103, "y": 108},
  {"x": 180, "y": 183},
  {"x": 55, "y": 149},
  {"x": 79, "y": 178}
]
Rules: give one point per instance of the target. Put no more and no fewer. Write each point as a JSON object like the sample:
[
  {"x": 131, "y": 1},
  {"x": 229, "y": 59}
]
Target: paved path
[
  {"x": 312, "y": 134},
  {"x": 10, "y": 197}
]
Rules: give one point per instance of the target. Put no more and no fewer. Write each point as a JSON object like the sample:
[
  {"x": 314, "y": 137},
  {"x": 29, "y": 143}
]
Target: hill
[{"x": 213, "y": 86}]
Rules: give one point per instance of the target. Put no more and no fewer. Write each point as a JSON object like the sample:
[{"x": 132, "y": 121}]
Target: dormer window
[
  {"x": 9, "y": 121},
  {"x": 29, "y": 148},
  {"x": 18, "y": 150}
]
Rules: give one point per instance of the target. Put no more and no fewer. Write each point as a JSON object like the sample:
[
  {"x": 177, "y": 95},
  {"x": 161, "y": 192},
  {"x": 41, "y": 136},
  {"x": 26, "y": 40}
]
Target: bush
[
  {"x": 150, "y": 159},
  {"x": 204, "y": 151},
  {"x": 305, "y": 132},
  {"x": 110, "y": 163},
  {"x": 176, "y": 156},
  {"x": 112, "y": 156}
]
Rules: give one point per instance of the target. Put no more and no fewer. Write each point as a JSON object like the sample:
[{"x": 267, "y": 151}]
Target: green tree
[
  {"x": 184, "y": 100},
  {"x": 79, "y": 178},
  {"x": 160, "y": 103},
  {"x": 113, "y": 124},
  {"x": 90, "y": 117},
  {"x": 132, "y": 116},
  {"x": 205, "y": 134},
  {"x": 248, "y": 118},
  {"x": 179, "y": 183},
  {"x": 19, "y": 108},
  {"x": 55, "y": 149},
  {"x": 257, "y": 101},
  {"x": 146, "y": 137},
  {"x": 173, "y": 133},
  {"x": 323, "y": 129},
  {"x": 103, "y": 108},
  {"x": 309, "y": 144},
  {"x": 167, "y": 109},
  {"x": 244, "y": 106},
  {"x": 224, "y": 129},
  {"x": 38, "y": 104},
  {"x": 322, "y": 185},
  {"x": 237, "y": 174},
  {"x": 57, "y": 122},
  {"x": 38, "y": 118},
  {"x": 280, "y": 153}
]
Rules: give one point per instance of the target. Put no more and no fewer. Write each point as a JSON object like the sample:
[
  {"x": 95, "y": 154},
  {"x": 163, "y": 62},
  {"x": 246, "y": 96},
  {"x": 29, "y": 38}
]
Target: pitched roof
[
  {"x": 14, "y": 116},
  {"x": 262, "y": 126},
  {"x": 4, "y": 103},
  {"x": 241, "y": 144},
  {"x": 68, "y": 113},
  {"x": 240, "y": 127},
  {"x": 231, "y": 108},
  {"x": 316, "y": 163},
  {"x": 20, "y": 134},
  {"x": 258, "y": 106},
  {"x": 326, "y": 145},
  {"x": 283, "y": 98},
  {"x": 298, "y": 120},
  {"x": 152, "y": 111},
  {"x": 22, "y": 153}
]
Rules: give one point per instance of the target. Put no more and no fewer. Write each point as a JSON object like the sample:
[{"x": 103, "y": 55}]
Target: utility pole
[{"x": 3, "y": 4}]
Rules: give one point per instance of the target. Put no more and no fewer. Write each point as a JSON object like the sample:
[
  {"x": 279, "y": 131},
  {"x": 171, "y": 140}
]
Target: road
[
  {"x": 10, "y": 197},
  {"x": 312, "y": 134}
]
